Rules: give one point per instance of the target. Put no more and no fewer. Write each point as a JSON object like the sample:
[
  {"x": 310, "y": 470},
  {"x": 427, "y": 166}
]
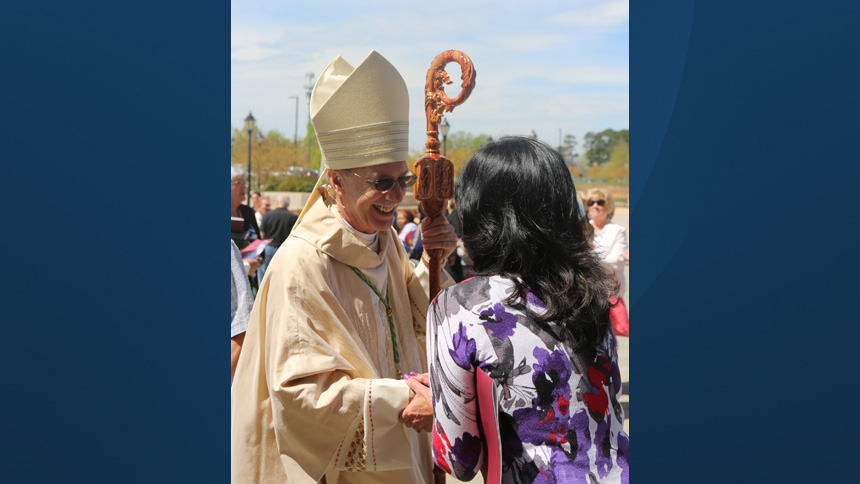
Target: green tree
[
  {"x": 271, "y": 154},
  {"x": 313, "y": 148},
  {"x": 568, "y": 150},
  {"x": 620, "y": 154},
  {"x": 568, "y": 146},
  {"x": 461, "y": 147},
  {"x": 616, "y": 169},
  {"x": 598, "y": 146}
]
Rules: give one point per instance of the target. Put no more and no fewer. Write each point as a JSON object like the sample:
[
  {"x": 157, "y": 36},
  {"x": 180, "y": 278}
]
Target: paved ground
[{"x": 622, "y": 217}]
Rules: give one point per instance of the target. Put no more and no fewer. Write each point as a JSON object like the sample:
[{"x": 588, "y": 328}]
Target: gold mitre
[{"x": 361, "y": 114}]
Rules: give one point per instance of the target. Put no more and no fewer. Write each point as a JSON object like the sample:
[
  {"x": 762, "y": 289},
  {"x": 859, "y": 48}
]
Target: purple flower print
[
  {"x": 549, "y": 421},
  {"x": 563, "y": 470},
  {"x": 546, "y": 476},
  {"x": 499, "y": 323},
  {"x": 621, "y": 458},
  {"x": 604, "y": 449},
  {"x": 463, "y": 352},
  {"x": 580, "y": 443},
  {"x": 467, "y": 450},
  {"x": 534, "y": 301},
  {"x": 554, "y": 369},
  {"x": 570, "y": 466}
]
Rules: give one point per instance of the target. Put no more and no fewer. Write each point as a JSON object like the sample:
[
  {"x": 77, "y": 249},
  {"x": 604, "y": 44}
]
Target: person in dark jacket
[{"x": 277, "y": 225}]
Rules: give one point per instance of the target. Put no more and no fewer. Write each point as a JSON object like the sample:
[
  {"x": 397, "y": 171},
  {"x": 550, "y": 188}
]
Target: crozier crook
[{"x": 435, "y": 183}]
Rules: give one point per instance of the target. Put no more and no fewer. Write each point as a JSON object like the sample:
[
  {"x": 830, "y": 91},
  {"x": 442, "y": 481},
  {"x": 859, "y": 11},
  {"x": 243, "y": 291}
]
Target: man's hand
[
  {"x": 418, "y": 414},
  {"x": 438, "y": 234}
]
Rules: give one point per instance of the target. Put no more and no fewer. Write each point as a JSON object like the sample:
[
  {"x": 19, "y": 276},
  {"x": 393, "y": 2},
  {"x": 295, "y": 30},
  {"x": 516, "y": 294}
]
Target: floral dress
[{"x": 559, "y": 416}]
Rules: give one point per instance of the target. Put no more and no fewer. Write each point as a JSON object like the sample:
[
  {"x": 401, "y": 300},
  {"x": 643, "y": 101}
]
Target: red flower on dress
[
  {"x": 440, "y": 448},
  {"x": 598, "y": 403},
  {"x": 563, "y": 405},
  {"x": 550, "y": 415}
]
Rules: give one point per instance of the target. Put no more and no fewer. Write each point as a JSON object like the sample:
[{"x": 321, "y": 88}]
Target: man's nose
[{"x": 396, "y": 193}]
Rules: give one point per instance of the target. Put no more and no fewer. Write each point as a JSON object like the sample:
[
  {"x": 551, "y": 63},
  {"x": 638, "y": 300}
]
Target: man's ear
[{"x": 336, "y": 182}]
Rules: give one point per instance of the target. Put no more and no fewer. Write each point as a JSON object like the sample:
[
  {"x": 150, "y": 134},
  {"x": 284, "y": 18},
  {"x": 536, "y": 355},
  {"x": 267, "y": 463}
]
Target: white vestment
[{"x": 316, "y": 390}]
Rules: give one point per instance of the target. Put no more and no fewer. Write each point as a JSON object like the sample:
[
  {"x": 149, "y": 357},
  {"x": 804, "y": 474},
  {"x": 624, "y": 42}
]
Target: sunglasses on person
[
  {"x": 598, "y": 202},
  {"x": 384, "y": 184}
]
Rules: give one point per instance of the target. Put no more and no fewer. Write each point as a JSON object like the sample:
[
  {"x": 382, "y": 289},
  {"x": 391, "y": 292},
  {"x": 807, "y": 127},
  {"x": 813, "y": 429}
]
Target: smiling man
[{"x": 340, "y": 314}]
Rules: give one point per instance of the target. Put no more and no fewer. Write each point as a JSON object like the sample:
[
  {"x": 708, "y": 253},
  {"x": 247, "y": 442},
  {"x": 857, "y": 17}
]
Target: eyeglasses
[
  {"x": 598, "y": 202},
  {"x": 239, "y": 183},
  {"x": 384, "y": 184}
]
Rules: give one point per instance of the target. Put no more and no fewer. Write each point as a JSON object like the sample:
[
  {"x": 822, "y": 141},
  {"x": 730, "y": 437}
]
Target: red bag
[{"x": 618, "y": 317}]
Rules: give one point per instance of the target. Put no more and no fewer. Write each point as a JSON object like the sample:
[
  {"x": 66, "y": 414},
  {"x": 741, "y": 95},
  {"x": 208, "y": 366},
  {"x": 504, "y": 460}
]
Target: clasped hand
[{"x": 418, "y": 413}]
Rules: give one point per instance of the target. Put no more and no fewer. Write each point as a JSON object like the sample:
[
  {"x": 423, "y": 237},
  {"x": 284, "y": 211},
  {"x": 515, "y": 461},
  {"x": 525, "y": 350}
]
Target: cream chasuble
[{"x": 316, "y": 390}]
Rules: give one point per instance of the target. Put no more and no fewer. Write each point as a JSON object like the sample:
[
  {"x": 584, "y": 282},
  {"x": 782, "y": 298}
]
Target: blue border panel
[
  {"x": 743, "y": 201},
  {"x": 743, "y": 120},
  {"x": 115, "y": 255}
]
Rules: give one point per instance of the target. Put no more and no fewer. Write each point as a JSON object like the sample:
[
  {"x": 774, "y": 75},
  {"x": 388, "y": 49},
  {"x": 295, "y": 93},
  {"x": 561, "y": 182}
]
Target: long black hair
[{"x": 518, "y": 206}]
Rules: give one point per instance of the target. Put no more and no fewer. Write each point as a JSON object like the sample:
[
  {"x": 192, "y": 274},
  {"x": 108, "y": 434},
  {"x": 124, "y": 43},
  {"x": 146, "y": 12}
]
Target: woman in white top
[{"x": 610, "y": 241}]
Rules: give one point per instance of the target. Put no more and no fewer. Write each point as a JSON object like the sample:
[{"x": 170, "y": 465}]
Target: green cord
[{"x": 388, "y": 311}]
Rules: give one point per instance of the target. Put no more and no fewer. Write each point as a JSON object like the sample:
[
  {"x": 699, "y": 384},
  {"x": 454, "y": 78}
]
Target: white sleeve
[{"x": 615, "y": 252}]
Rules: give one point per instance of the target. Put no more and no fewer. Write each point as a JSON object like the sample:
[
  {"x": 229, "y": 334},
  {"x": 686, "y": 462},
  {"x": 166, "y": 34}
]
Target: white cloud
[
  {"x": 583, "y": 105},
  {"x": 610, "y": 13},
  {"x": 593, "y": 74},
  {"x": 254, "y": 43},
  {"x": 530, "y": 41},
  {"x": 251, "y": 53}
]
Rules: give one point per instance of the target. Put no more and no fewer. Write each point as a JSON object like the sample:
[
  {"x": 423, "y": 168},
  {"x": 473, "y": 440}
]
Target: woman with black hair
[{"x": 535, "y": 318}]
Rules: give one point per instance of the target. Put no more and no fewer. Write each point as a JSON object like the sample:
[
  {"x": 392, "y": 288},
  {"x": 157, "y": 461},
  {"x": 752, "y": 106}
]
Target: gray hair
[
  {"x": 284, "y": 201},
  {"x": 237, "y": 170}
]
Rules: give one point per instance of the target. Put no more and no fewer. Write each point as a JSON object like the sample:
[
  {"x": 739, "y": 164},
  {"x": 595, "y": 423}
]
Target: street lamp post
[
  {"x": 309, "y": 88},
  {"x": 296, "y": 132},
  {"x": 444, "y": 128},
  {"x": 250, "y": 122},
  {"x": 259, "y": 141}
]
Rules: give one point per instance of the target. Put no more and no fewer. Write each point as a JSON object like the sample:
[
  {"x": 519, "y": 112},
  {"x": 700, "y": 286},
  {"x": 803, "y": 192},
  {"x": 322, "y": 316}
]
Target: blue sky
[{"x": 550, "y": 66}]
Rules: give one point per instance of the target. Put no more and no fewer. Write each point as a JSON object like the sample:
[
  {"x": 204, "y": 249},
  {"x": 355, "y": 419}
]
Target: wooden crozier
[{"x": 435, "y": 183}]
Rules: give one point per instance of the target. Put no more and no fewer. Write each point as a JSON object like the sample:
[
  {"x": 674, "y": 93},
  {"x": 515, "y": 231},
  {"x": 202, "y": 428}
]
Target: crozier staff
[{"x": 340, "y": 314}]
